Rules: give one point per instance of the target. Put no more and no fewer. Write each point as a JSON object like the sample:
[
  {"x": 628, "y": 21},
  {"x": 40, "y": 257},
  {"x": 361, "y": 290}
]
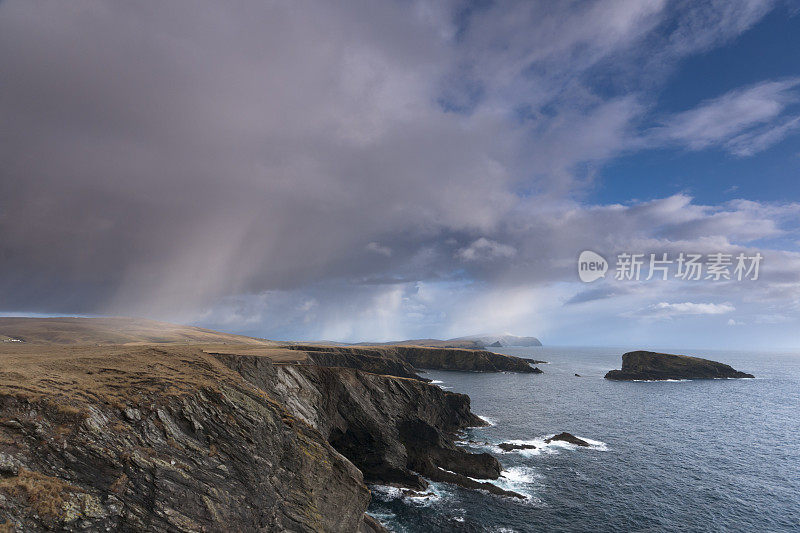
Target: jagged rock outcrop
[
  {"x": 567, "y": 437},
  {"x": 395, "y": 430},
  {"x": 510, "y": 446},
  {"x": 162, "y": 440},
  {"x": 643, "y": 365}
]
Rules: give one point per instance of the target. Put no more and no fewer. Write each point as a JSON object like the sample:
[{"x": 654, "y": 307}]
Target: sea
[{"x": 694, "y": 455}]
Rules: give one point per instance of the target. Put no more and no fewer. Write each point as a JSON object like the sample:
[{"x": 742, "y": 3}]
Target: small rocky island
[
  {"x": 567, "y": 437},
  {"x": 643, "y": 365}
]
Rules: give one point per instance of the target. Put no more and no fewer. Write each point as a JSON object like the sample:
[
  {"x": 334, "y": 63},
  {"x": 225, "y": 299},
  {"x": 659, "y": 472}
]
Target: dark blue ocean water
[{"x": 718, "y": 455}]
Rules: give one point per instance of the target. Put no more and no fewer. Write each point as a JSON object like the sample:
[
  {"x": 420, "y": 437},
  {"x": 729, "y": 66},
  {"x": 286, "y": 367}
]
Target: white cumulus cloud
[
  {"x": 484, "y": 249},
  {"x": 669, "y": 310}
]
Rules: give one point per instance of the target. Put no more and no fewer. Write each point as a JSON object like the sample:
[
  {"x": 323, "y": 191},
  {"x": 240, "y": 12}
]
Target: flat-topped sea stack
[{"x": 653, "y": 366}]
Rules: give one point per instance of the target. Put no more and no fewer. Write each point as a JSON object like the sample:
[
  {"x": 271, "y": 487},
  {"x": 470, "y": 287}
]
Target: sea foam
[{"x": 487, "y": 420}]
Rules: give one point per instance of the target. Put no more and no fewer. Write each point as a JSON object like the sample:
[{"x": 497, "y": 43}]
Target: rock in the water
[
  {"x": 508, "y": 446},
  {"x": 467, "y": 482},
  {"x": 643, "y": 365},
  {"x": 567, "y": 437},
  {"x": 408, "y": 493},
  {"x": 495, "y": 344}
]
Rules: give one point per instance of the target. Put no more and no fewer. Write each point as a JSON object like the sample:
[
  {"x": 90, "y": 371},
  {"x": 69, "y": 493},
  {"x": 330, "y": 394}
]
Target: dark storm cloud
[
  {"x": 164, "y": 158},
  {"x": 175, "y": 152}
]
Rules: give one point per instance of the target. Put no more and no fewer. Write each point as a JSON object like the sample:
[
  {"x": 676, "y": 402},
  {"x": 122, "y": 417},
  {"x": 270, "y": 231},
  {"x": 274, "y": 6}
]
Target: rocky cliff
[
  {"x": 402, "y": 360},
  {"x": 458, "y": 359},
  {"x": 173, "y": 438},
  {"x": 377, "y": 360},
  {"x": 395, "y": 430},
  {"x": 161, "y": 440},
  {"x": 643, "y": 365}
]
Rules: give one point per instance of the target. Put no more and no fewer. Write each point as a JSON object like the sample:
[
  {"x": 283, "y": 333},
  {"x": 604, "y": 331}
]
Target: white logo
[{"x": 591, "y": 266}]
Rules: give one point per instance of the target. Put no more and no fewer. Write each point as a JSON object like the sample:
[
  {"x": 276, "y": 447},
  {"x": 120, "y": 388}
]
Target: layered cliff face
[
  {"x": 187, "y": 438},
  {"x": 643, "y": 365},
  {"x": 395, "y": 430},
  {"x": 102, "y": 430},
  {"x": 161, "y": 440}
]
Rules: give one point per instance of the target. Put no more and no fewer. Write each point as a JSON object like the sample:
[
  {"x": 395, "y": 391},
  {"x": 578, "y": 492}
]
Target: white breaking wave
[
  {"x": 487, "y": 420},
  {"x": 386, "y": 492},
  {"x": 593, "y": 444},
  {"x": 542, "y": 446},
  {"x": 423, "y": 498},
  {"x": 520, "y": 475},
  {"x": 665, "y": 380},
  {"x": 596, "y": 444}
]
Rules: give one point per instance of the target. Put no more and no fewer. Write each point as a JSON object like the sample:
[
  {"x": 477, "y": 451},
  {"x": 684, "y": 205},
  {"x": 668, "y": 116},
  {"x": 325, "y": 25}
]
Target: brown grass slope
[
  {"x": 71, "y": 330},
  {"x": 430, "y": 343}
]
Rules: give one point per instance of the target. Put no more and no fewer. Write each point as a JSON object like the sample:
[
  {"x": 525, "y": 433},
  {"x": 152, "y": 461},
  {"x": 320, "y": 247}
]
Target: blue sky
[
  {"x": 767, "y": 50},
  {"x": 402, "y": 169}
]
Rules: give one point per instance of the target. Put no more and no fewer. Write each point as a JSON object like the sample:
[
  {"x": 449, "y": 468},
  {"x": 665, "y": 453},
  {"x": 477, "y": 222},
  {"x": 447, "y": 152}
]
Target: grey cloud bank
[{"x": 359, "y": 170}]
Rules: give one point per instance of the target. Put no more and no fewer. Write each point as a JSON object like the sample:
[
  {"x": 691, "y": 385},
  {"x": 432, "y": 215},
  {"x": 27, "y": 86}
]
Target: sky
[{"x": 365, "y": 170}]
